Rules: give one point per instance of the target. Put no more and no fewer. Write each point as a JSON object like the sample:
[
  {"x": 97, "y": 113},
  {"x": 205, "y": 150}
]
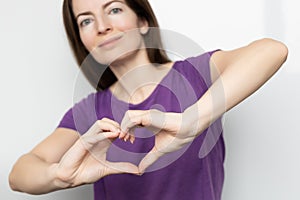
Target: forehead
[{"x": 90, "y": 5}]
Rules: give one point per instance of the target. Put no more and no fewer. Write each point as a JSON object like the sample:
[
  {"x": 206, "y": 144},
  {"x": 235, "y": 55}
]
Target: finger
[
  {"x": 89, "y": 141},
  {"x": 122, "y": 135},
  {"x": 126, "y": 137},
  {"x": 149, "y": 159},
  {"x": 132, "y": 139},
  {"x": 107, "y": 135},
  {"x": 135, "y": 119},
  {"x": 153, "y": 119},
  {"x": 131, "y": 119},
  {"x": 116, "y": 124},
  {"x": 100, "y": 126},
  {"x": 109, "y": 125},
  {"x": 130, "y": 135},
  {"x": 121, "y": 167}
]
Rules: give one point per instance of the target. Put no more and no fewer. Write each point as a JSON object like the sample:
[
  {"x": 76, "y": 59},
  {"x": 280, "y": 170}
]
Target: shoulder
[
  {"x": 196, "y": 68},
  {"x": 92, "y": 98},
  {"x": 86, "y": 111},
  {"x": 168, "y": 65},
  {"x": 221, "y": 59}
]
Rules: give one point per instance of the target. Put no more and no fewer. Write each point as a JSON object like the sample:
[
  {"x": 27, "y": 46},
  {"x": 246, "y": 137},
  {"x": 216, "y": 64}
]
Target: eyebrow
[{"x": 104, "y": 6}]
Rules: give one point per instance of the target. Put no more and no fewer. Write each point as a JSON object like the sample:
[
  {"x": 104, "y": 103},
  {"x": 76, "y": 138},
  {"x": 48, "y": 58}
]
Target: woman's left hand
[{"x": 172, "y": 131}]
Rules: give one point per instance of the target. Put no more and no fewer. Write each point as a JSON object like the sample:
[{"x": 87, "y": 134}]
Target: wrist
[
  {"x": 198, "y": 120},
  {"x": 57, "y": 180}
]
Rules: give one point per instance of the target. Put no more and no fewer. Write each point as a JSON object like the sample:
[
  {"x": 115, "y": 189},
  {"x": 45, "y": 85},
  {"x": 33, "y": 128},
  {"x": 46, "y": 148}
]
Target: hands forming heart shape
[{"x": 172, "y": 131}]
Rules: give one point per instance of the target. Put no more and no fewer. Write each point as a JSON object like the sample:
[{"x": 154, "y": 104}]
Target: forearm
[
  {"x": 34, "y": 176},
  {"x": 252, "y": 67}
]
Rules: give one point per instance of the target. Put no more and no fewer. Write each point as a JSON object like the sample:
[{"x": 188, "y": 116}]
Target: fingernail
[
  {"x": 131, "y": 140},
  {"x": 140, "y": 173}
]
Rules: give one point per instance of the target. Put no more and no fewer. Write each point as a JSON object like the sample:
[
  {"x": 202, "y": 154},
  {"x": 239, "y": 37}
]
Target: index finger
[{"x": 116, "y": 124}]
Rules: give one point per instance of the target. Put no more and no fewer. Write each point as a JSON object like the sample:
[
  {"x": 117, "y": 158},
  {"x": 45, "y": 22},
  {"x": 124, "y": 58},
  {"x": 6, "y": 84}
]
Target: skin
[
  {"x": 236, "y": 74},
  {"x": 113, "y": 20}
]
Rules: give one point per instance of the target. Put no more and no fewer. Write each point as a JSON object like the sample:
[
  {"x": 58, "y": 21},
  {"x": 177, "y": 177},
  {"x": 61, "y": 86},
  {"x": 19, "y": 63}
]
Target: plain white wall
[{"x": 38, "y": 74}]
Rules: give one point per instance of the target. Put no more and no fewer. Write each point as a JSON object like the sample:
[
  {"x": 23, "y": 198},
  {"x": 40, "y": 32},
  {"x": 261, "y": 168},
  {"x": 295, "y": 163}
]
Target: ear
[{"x": 144, "y": 26}]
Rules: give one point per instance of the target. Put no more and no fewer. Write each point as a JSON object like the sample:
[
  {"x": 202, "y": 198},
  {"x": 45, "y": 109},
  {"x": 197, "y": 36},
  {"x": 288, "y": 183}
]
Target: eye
[
  {"x": 85, "y": 22},
  {"x": 115, "y": 11}
]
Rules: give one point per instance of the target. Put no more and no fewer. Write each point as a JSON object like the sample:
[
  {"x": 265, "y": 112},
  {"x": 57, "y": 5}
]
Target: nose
[{"x": 103, "y": 25}]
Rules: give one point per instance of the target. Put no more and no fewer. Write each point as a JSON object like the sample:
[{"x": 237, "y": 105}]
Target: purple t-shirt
[{"x": 194, "y": 172}]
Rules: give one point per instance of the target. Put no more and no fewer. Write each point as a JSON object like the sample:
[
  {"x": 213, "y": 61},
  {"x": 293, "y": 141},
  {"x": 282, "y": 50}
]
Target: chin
[{"x": 117, "y": 57}]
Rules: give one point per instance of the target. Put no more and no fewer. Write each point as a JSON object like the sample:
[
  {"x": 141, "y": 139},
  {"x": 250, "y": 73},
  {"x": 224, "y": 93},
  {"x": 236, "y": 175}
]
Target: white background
[{"x": 262, "y": 134}]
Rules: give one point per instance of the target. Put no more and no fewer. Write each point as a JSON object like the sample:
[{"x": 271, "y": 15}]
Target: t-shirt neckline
[{"x": 148, "y": 98}]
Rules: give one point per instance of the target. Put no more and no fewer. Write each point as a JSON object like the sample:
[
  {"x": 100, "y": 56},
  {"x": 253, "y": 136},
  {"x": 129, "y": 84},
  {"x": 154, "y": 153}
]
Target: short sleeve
[
  {"x": 81, "y": 116},
  {"x": 201, "y": 64},
  {"x": 67, "y": 121},
  {"x": 200, "y": 77}
]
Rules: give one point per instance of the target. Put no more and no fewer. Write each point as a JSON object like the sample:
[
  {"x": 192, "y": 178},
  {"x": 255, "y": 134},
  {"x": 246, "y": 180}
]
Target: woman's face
[{"x": 109, "y": 29}]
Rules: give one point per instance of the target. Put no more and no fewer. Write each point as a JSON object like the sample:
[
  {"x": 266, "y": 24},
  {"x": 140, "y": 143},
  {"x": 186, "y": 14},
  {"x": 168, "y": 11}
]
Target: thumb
[
  {"x": 149, "y": 159},
  {"x": 121, "y": 167}
]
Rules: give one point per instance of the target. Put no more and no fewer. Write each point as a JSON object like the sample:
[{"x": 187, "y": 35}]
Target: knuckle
[
  {"x": 96, "y": 127},
  {"x": 99, "y": 123},
  {"x": 154, "y": 110},
  {"x": 129, "y": 113},
  {"x": 154, "y": 113}
]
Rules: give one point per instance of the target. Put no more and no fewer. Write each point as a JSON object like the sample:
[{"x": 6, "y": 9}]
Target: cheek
[
  {"x": 125, "y": 26},
  {"x": 87, "y": 40},
  {"x": 126, "y": 23}
]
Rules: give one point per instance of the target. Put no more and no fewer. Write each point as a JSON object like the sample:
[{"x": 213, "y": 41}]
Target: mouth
[{"x": 110, "y": 41}]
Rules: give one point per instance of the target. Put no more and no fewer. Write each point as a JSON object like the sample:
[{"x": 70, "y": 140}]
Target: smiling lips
[{"x": 109, "y": 41}]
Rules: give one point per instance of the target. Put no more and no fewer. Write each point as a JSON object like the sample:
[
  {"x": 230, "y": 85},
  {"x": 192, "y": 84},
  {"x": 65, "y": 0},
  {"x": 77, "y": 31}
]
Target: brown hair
[{"x": 93, "y": 70}]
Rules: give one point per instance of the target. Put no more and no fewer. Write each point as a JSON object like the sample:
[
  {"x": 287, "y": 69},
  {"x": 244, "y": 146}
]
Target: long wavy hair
[{"x": 98, "y": 75}]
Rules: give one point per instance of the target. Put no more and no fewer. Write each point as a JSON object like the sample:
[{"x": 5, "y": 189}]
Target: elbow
[
  {"x": 15, "y": 185},
  {"x": 284, "y": 51},
  {"x": 273, "y": 52},
  {"x": 11, "y": 181},
  {"x": 13, "y": 178},
  {"x": 280, "y": 49},
  {"x": 277, "y": 48}
]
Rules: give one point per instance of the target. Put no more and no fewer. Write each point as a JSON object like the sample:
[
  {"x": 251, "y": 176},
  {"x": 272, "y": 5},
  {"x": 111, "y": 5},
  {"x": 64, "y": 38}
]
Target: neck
[
  {"x": 137, "y": 77},
  {"x": 132, "y": 61}
]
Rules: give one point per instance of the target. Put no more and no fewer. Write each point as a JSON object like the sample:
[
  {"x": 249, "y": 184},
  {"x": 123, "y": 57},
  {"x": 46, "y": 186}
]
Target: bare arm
[
  {"x": 33, "y": 172},
  {"x": 236, "y": 75},
  {"x": 65, "y": 160}
]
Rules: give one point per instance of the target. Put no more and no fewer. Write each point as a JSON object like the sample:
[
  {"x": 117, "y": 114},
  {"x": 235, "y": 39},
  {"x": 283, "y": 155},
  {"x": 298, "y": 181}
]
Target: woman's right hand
[{"x": 85, "y": 162}]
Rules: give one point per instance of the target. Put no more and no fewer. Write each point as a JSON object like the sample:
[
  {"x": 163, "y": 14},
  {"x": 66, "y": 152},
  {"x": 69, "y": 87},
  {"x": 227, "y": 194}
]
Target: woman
[{"x": 179, "y": 102}]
